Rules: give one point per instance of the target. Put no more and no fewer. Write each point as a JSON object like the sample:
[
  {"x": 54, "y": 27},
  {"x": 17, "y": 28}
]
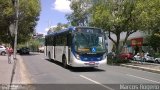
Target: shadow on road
[
  {"x": 78, "y": 69},
  {"x": 86, "y": 69},
  {"x": 55, "y": 62}
]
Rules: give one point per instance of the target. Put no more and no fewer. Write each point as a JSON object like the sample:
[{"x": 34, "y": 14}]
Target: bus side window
[
  {"x": 69, "y": 40},
  {"x": 53, "y": 41}
]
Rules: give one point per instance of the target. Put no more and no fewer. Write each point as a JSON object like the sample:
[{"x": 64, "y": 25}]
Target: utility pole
[{"x": 16, "y": 6}]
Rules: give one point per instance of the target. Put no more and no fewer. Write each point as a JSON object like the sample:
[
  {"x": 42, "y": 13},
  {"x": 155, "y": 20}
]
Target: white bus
[{"x": 77, "y": 47}]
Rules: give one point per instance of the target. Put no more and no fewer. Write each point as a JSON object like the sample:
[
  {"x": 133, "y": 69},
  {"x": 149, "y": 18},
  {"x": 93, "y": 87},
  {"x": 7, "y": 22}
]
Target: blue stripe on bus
[{"x": 88, "y": 57}]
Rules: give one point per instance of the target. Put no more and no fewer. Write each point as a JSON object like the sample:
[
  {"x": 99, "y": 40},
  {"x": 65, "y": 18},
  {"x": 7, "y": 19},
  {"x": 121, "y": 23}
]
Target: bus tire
[{"x": 64, "y": 61}]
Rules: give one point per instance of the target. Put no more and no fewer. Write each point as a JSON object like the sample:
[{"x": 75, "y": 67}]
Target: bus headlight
[{"x": 77, "y": 56}]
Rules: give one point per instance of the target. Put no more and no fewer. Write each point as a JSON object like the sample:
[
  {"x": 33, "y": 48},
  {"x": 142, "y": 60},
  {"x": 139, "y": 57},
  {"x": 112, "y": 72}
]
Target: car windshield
[{"x": 89, "y": 43}]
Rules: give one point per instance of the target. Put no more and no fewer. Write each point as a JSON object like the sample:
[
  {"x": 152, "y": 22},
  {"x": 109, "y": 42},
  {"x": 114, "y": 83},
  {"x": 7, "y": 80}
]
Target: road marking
[
  {"x": 96, "y": 82},
  {"x": 142, "y": 78}
]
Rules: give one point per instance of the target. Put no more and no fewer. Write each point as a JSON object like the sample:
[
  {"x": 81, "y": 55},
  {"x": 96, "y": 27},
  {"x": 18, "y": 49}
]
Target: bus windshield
[{"x": 89, "y": 42}]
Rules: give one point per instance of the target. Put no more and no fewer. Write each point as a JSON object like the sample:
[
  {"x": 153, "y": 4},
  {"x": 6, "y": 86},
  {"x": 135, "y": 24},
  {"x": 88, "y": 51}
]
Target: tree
[
  {"x": 28, "y": 16},
  {"x": 34, "y": 44},
  {"x": 150, "y": 14},
  {"x": 154, "y": 41},
  {"x": 60, "y": 26},
  {"x": 116, "y": 16},
  {"x": 150, "y": 17},
  {"x": 80, "y": 12}
]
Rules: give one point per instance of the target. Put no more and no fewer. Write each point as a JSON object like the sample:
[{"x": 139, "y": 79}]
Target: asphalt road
[{"x": 46, "y": 74}]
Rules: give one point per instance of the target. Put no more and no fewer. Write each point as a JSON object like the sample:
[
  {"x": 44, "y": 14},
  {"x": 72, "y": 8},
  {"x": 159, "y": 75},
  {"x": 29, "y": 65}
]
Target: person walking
[
  {"x": 142, "y": 56},
  {"x": 9, "y": 52}
]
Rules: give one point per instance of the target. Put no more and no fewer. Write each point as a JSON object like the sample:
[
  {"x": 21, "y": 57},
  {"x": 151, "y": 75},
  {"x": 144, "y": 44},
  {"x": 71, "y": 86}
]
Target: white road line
[
  {"x": 142, "y": 78},
  {"x": 96, "y": 82}
]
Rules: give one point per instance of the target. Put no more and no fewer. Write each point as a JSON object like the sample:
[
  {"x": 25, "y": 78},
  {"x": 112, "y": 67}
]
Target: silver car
[
  {"x": 2, "y": 50},
  {"x": 157, "y": 60},
  {"x": 146, "y": 57}
]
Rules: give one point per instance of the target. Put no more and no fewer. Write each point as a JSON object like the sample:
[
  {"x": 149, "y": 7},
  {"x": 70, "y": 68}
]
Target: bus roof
[
  {"x": 82, "y": 27},
  {"x": 71, "y": 28}
]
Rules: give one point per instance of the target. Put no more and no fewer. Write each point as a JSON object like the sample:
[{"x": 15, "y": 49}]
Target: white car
[
  {"x": 147, "y": 57},
  {"x": 157, "y": 60},
  {"x": 41, "y": 49},
  {"x": 2, "y": 50}
]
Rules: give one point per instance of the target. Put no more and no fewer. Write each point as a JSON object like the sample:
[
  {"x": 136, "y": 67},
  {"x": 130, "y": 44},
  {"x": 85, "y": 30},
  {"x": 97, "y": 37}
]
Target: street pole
[{"x": 16, "y": 27}]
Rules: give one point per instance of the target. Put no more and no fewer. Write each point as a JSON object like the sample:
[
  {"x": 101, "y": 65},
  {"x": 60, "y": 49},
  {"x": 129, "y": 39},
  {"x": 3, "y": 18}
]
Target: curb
[
  {"x": 23, "y": 71},
  {"x": 141, "y": 68}
]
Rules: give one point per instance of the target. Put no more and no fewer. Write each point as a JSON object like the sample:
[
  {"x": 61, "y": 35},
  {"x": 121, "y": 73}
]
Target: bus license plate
[{"x": 91, "y": 63}]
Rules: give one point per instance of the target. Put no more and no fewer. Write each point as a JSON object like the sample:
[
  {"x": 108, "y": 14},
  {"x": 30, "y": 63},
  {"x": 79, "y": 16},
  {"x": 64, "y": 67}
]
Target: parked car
[
  {"x": 23, "y": 50},
  {"x": 126, "y": 56},
  {"x": 41, "y": 49},
  {"x": 2, "y": 50},
  {"x": 146, "y": 57},
  {"x": 157, "y": 60}
]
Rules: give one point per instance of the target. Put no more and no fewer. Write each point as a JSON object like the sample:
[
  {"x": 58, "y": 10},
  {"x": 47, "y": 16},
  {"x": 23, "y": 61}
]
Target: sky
[{"x": 52, "y": 12}]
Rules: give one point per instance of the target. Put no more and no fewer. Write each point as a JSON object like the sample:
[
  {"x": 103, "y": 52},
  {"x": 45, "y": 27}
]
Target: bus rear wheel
[{"x": 64, "y": 61}]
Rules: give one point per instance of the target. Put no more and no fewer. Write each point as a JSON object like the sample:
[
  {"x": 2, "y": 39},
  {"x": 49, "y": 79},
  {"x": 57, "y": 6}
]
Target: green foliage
[
  {"x": 34, "y": 45},
  {"x": 28, "y": 16},
  {"x": 80, "y": 12},
  {"x": 157, "y": 55},
  {"x": 118, "y": 16},
  {"x": 115, "y": 17},
  {"x": 154, "y": 41},
  {"x": 60, "y": 26},
  {"x": 116, "y": 61},
  {"x": 149, "y": 14},
  {"x": 150, "y": 21},
  {"x": 41, "y": 41},
  {"x": 126, "y": 16}
]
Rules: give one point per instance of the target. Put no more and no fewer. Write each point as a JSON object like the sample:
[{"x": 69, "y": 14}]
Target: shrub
[{"x": 117, "y": 61}]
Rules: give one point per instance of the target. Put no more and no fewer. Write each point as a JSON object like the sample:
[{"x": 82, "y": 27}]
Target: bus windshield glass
[{"x": 91, "y": 41}]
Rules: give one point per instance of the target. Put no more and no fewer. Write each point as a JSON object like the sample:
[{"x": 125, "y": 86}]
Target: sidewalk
[
  {"x": 6, "y": 71},
  {"x": 151, "y": 67}
]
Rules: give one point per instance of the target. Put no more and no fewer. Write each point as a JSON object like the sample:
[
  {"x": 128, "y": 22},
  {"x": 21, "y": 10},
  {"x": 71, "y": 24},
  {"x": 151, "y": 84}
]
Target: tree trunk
[
  {"x": 117, "y": 44},
  {"x": 12, "y": 43}
]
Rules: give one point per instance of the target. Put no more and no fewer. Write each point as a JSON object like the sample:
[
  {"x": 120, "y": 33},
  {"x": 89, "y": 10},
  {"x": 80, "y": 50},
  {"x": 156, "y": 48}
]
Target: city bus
[{"x": 77, "y": 47}]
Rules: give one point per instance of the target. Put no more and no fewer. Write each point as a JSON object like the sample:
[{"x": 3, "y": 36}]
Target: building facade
[{"x": 134, "y": 44}]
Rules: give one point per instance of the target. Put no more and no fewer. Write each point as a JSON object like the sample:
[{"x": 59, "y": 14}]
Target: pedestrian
[
  {"x": 142, "y": 56},
  {"x": 9, "y": 52}
]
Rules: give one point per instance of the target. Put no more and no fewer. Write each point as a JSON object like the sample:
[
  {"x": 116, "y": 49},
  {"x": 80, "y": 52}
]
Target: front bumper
[{"x": 79, "y": 63}]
